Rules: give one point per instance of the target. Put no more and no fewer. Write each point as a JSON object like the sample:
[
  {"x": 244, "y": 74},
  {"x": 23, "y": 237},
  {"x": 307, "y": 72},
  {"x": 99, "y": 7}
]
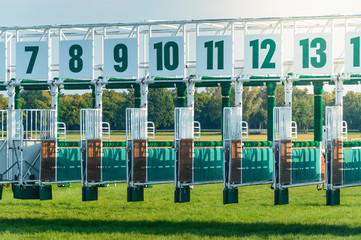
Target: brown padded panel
[
  {"x": 337, "y": 162},
  {"x": 236, "y": 161},
  {"x": 186, "y": 160},
  {"x": 285, "y": 162},
  {"x": 48, "y": 156},
  {"x": 323, "y": 168},
  {"x": 94, "y": 160},
  {"x": 139, "y": 161}
]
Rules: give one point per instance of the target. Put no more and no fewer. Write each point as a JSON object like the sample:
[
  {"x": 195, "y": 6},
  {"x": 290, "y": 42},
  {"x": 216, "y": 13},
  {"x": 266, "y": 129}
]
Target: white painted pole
[
  {"x": 238, "y": 93},
  {"x": 190, "y": 93},
  {"x": 339, "y": 92},
  {"x": 288, "y": 92}
]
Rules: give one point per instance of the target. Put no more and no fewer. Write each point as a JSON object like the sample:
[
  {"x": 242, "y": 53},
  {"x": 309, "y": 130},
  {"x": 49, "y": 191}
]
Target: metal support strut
[{"x": 334, "y": 149}]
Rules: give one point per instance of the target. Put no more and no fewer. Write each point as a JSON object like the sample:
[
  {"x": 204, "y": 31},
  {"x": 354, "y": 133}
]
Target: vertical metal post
[
  {"x": 230, "y": 194},
  {"x": 318, "y": 110},
  {"x": 339, "y": 92},
  {"x": 190, "y": 93},
  {"x": 54, "y": 93},
  {"x": 136, "y": 193},
  {"x": 58, "y": 108},
  {"x": 93, "y": 95},
  {"x": 17, "y": 97},
  {"x": 137, "y": 95},
  {"x": 332, "y": 194},
  {"x": 226, "y": 100},
  {"x": 98, "y": 94},
  {"x": 288, "y": 93},
  {"x": 143, "y": 94},
  {"x": 238, "y": 93},
  {"x": 271, "y": 103},
  {"x": 181, "y": 95}
]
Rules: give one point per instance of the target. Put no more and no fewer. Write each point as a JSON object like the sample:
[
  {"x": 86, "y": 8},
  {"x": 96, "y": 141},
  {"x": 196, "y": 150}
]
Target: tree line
[{"x": 208, "y": 104}]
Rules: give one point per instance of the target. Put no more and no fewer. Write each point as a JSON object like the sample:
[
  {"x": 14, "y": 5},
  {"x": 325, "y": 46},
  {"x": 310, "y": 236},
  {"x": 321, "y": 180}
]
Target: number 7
[{"x": 34, "y": 53}]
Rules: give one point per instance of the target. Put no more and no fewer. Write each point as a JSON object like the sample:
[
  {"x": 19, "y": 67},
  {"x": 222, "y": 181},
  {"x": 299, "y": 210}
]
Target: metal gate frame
[
  {"x": 90, "y": 130},
  {"x": 183, "y": 130},
  {"x": 136, "y": 131},
  {"x": 284, "y": 133},
  {"x": 230, "y": 122},
  {"x": 334, "y": 132}
]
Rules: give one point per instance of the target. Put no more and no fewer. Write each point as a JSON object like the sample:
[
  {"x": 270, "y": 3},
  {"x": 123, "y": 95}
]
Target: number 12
[{"x": 255, "y": 53}]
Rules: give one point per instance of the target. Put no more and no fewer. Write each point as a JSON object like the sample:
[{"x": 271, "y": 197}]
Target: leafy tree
[
  {"x": 161, "y": 108},
  {"x": 302, "y": 108},
  {"x": 252, "y": 103},
  {"x": 69, "y": 108},
  {"x": 351, "y": 110},
  {"x": 35, "y": 99}
]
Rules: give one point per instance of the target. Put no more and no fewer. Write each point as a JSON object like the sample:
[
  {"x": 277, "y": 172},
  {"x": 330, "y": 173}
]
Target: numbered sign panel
[
  {"x": 263, "y": 54},
  {"x": 32, "y": 60},
  {"x": 2, "y": 61},
  {"x": 352, "y": 52},
  {"x": 76, "y": 59},
  {"x": 121, "y": 57},
  {"x": 214, "y": 55},
  {"x": 313, "y": 53},
  {"x": 166, "y": 56}
]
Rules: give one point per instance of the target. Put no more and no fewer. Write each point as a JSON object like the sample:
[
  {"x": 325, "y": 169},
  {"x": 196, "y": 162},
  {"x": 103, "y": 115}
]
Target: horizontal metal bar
[
  {"x": 347, "y": 185},
  {"x": 201, "y": 183},
  {"x": 160, "y": 182},
  {"x": 56, "y": 182},
  {"x": 155, "y": 182},
  {"x": 301, "y": 184},
  {"x": 10, "y": 181},
  {"x": 251, "y": 184},
  {"x": 107, "y": 182},
  {"x": 147, "y": 23},
  {"x": 89, "y": 82}
]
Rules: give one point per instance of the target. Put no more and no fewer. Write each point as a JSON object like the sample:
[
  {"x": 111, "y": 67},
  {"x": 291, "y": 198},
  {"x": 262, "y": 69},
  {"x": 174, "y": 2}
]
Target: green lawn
[
  {"x": 206, "y": 136},
  {"x": 111, "y": 217}
]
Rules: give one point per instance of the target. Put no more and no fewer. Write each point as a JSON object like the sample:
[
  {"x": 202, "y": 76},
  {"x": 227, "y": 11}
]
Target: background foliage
[{"x": 207, "y": 106}]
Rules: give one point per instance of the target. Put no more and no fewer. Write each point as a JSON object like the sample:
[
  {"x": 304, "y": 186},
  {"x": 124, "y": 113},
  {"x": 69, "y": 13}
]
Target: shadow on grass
[{"x": 218, "y": 229}]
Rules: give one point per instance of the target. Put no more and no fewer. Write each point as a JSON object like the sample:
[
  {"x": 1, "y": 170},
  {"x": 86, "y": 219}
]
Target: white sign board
[
  {"x": 263, "y": 54},
  {"x": 32, "y": 60},
  {"x": 120, "y": 57},
  {"x": 214, "y": 55},
  {"x": 166, "y": 56},
  {"x": 76, "y": 59},
  {"x": 313, "y": 53},
  {"x": 352, "y": 52},
  {"x": 2, "y": 61}
]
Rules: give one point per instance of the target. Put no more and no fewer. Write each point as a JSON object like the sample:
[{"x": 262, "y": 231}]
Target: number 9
[{"x": 123, "y": 59}]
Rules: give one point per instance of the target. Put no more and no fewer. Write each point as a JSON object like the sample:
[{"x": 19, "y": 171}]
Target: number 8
[{"x": 75, "y": 62}]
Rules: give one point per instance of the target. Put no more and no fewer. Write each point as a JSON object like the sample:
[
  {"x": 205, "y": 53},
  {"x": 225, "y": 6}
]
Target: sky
[
  {"x": 44, "y": 12},
  {"x": 50, "y": 12}
]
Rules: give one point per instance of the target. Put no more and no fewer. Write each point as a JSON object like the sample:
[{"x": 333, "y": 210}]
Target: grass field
[
  {"x": 205, "y": 217},
  {"x": 206, "y": 136},
  {"x": 111, "y": 217}
]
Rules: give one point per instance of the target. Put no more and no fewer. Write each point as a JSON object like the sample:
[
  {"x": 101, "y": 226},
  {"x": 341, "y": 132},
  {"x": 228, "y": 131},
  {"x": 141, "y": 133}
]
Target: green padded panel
[
  {"x": 351, "y": 166},
  {"x": 305, "y": 165},
  {"x": 208, "y": 164},
  {"x": 68, "y": 164},
  {"x": 257, "y": 165},
  {"x": 160, "y": 164},
  {"x": 114, "y": 164}
]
